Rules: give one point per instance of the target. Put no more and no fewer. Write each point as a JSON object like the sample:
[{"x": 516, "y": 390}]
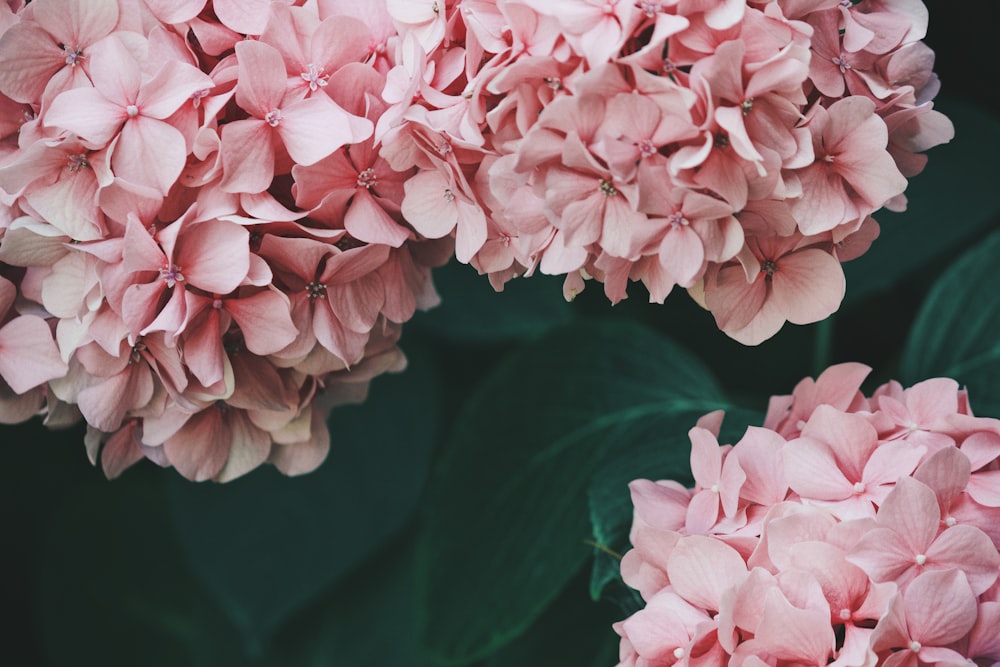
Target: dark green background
[{"x": 379, "y": 558}]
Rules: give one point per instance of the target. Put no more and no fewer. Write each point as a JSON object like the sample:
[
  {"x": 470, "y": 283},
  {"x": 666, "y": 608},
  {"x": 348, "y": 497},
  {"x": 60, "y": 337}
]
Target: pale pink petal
[
  {"x": 808, "y": 286},
  {"x": 175, "y": 11},
  {"x": 86, "y": 113},
  {"x": 170, "y": 88},
  {"x": 366, "y": 221},
  {"x": 250, "y": 448},
  {"x": 247, "y": 156},
  {"x": 28, "y": 355},
  {"x": 150, "y": 153},
  {"x": 702, "y": 569},
  {"x": 429, "y": 204},
  {"x": 264, "y": 321},
  {"x": 261, "y": 84},
  {"x": 940, "y": 607},
  {"x": 214, "y": 255},
  {"x": 74, "y": 23},
  {"x": 315, "y": 127},
  {"x": 970, "y": 550},
  {"x": 812, "y": 471},
  {"x": 28, "y": 59},
  {"x": 200, "y": 448}
]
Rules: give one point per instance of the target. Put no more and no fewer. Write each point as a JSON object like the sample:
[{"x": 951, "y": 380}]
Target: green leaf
[
  {"x": 952, "y": 202},
  {"x": 506, "y": 523},
  {"x": 657, "y": 449},
  {"x": 366, "y": 620},
  {"x": 472, "y": 311},
  {"x": 572, "y": 631},
  {"x": 266, "y": 544},
  {"x": 114, "y": 588},
  {"x": 957, "y": 333}
]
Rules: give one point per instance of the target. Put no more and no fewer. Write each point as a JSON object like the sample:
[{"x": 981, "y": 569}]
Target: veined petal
[
  {"x": 28, "y": 59},
  {"x": 114, "y": 70},
  {"x": 77, "y": 23},
  {"x": 150, "y": 153},
  {"x": 366, "y": 221},
  {"x": 214, "y": 255},
  {"x": 86, "y": 113},
  {"x": 28, "y": 355},
  {"x": 247, "y": 156},
  {"x": 265, "y": 321},
  {"x": 261, "y": 84},
  {"x": 315, "y": 127},
  {"x": 171, "y": 86}
]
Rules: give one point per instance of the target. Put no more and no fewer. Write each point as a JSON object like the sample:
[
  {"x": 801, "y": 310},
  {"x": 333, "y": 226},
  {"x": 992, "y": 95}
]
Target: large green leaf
[
  {"x": 266, "y": 544},
  {"x": 952, "y": 202},
  {"x": 471, "y": 311},
  {"x": 114, "y": 588},
  {"x": 657, "y": 449},
  {"x": 572, "y": 631},
  {"x": 957, "y": 333},
  {"x": 366, "y": 620},
  {"x": 506, "y": 522}
]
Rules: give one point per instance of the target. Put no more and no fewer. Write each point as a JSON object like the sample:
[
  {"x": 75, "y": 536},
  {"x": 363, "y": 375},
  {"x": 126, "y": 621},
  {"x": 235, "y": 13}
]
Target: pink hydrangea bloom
[
  {"x": 209, "y": 245},
  {"x": 858, "y": 548}
]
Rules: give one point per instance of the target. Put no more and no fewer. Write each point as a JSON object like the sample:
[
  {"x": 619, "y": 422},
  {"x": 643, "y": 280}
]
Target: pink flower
[
  {"x": 28, "y": 355},
  {"x": 853, "y": 175},
  {"x": 309, "y": 129},
  {"x": 775, "y": 280},
  {"x": 123, "y": 107},
  {"x": 52, "y": 52},
  {"x": 908, "y": 541}
]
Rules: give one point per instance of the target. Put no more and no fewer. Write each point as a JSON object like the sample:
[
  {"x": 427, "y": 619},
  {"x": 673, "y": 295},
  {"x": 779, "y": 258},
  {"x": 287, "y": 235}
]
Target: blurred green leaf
[
  {"x": 506, "y": 523},
  {"x": 572, "y": 631},
  {"x": 957, "y": 333},
  {"x": 657, "y": 449},
  {"x": 116, "y": 590},
  {"x": 471, "y": 311},
  {"x": 266, "y": 544},
  {"x": 950, "y": 203},
  {"x": 366, "y": 620}
]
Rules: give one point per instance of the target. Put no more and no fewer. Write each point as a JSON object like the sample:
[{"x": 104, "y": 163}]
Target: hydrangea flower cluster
[
  {"x": 736, "y": 148},
  {"x": 848, "y": 530},
  {"x": 199, "y": 237}
]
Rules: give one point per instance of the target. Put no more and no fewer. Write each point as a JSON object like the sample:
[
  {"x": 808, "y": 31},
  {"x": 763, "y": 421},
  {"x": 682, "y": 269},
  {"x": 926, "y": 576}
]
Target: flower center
[
  {"x": 73, "y": 55},
  {"x": 553, "y": 82},
  {"x": 915, "y": 646},
  {"x": 646, "y": 147},
  {"x": 746, "y": 106},
  {"x": 314, "y": 77},
  {"x": 769, "y": 267},
  {"x": 844, "y": 614},
  {"x": 132, "y": 110},
  {"x": 649, "y": 8},
  {"x": 859, "y": 488},
  {"x": 920, "y": 559},
  {"x": 273, "y": 117},
  {"x": 721, "y": 140},
  {"x": 78, "y": 162},
  {"x": 841, "y": 62},
  {"x": 679, "y": 653},
  {"x": 315, "y": 290},
  {"x": 135, "y": 356},
  {"x": 367, "y": 179},
  {"x": 677, "y": 220},
  {"x": 449, "y": 196},
  {"x": 171, "y": 273},
  {"x": 607, "y": 189},
  {"x": 197, "y": 96}
]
